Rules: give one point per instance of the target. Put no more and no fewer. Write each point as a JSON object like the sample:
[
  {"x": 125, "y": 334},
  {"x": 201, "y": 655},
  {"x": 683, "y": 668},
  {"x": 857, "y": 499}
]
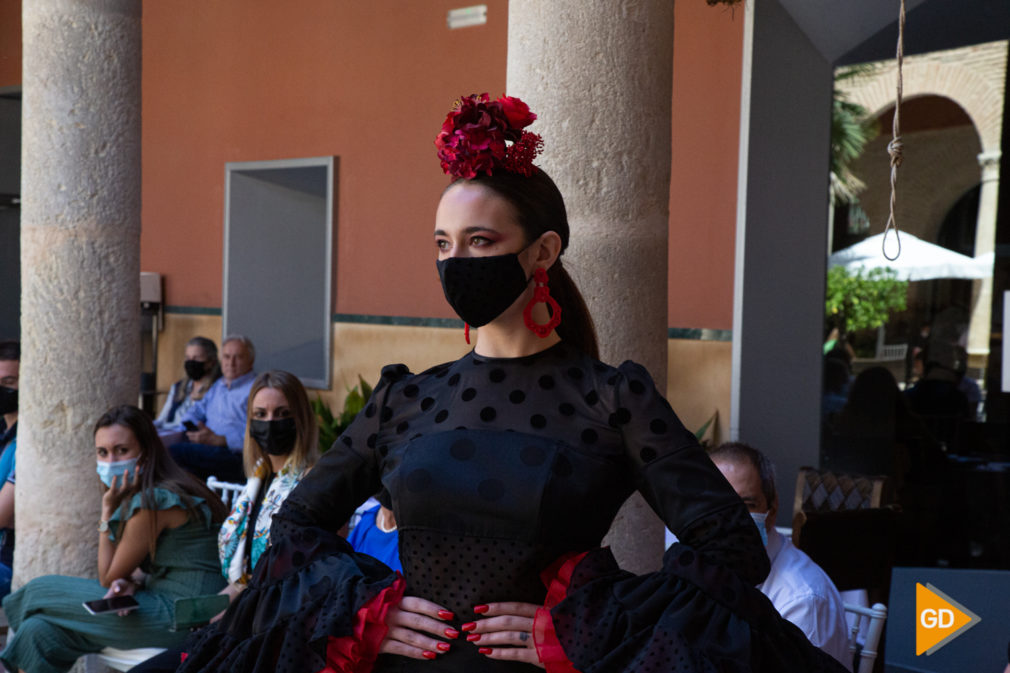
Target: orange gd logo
[{"x": 939, "y": 619}]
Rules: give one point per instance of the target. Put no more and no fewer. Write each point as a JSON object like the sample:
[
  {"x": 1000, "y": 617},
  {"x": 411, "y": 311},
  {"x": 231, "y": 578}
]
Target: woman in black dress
[{"x": 505, "y": 469}]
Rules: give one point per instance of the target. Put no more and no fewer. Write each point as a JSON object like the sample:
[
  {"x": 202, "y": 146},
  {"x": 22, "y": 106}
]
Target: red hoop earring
[
  {"x": 466, "y": 332},
  {"x": 542, "y": 293}
]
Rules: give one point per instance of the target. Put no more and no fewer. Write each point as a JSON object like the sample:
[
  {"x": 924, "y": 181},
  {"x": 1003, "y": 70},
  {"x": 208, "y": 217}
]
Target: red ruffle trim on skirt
[
  {"x": 356, "y": 653},
  {"x": 556, "y": 578}
]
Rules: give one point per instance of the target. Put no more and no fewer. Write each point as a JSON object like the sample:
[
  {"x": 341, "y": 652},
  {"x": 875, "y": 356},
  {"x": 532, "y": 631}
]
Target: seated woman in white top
[{"x": 281, "y": 445}]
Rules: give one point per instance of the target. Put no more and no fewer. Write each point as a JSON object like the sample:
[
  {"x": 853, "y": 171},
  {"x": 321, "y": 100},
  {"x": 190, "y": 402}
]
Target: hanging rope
[{"x": 895, "y": 148}]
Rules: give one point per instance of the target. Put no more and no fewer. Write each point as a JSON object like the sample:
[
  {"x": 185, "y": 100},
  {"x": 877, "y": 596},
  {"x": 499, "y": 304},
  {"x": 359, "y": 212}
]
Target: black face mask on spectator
[
  {"x": 195, "y": 369},
  {"x": 275, "y": 437},
  {"x": 8, "y": 400}
]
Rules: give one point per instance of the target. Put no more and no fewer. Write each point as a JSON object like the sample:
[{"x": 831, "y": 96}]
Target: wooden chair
[
  {"x": 824, "y": 490},
  {"x": 877, "y": 615},
  {"x": 226, "y": 490}
]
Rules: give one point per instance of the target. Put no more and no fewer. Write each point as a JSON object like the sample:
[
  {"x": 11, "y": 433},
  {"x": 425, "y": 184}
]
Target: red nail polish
[
  {"x": 443, "y": 646},
  {"x": 484, "y": 650},
  {"x": 428, "y": 654},
  {"x": 473, "y": 637},
  {"x": 480, "y": 609},
  {"x": 445, "y": 614},
  {"x": 452, "y": 633},
  {"x": 469, "y": 626}
]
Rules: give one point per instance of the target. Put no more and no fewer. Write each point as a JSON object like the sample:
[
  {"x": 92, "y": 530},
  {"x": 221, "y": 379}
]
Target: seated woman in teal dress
[{"x": 157, "y": 541}]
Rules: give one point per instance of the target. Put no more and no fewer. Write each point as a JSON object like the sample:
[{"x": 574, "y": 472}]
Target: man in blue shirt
[
  {"x": 375, "y": 534},
  {"x": 10, "y": 366},
  {"x": 218, "y": 420},
  {"x": 10, "y": 369}
]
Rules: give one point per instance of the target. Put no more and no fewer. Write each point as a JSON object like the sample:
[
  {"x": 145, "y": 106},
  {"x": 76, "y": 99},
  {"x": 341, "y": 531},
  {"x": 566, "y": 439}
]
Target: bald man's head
[{"x": 751, "y": 475}]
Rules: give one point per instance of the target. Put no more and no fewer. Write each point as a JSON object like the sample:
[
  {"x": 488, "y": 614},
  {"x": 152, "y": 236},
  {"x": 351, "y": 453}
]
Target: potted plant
[{"x": 331, "y": 426}]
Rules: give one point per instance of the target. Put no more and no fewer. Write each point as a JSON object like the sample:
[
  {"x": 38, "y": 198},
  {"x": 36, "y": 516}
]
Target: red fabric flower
[
  {"x": 474, "y": 136},
  {"x": 356, "y": 653},
  {"x": 519, "y": 157},
  {"x": 517, "y": 112}
]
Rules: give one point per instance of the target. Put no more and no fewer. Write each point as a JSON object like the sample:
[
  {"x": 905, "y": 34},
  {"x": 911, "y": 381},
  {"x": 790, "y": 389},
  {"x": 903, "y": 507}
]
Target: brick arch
[{"x": 980, "y": 97}]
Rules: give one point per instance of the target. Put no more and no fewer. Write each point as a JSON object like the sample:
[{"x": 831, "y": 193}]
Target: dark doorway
[{"x": 10, "y": 214}]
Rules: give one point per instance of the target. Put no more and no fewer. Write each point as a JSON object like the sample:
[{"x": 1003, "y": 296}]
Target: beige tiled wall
[
  {"x": 699, "y": 376},
  {"x": 698, "y": 373},
  {"x": 357, "y": 349}
]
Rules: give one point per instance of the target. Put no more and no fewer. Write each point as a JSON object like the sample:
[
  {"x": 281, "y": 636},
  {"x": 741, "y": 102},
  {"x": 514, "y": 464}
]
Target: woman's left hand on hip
[{"x": 505, "y": 631}]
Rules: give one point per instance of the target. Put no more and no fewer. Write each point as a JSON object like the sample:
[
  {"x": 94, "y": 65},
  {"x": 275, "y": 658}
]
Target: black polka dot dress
[{"x": 496, "y": 469}]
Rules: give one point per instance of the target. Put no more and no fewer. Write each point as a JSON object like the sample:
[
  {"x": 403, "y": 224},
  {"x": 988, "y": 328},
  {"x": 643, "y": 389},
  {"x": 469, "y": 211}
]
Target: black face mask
[
  {"x": 8, "y": 400},
  {"x": 479, "y": 289},
  {"x": 275, "y": 437},
  {"x": 195, "y": 369}
]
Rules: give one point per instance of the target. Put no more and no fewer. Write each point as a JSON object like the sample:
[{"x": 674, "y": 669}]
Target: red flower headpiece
[{"x": 474, "y": 134}]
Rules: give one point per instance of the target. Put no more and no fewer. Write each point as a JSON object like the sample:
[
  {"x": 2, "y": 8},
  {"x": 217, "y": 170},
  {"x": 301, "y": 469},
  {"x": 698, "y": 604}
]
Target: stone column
[
  {"x": 599, "y": 75},
  {"x": 80, "y": 261},
  {"x": 985, "y": 242}
]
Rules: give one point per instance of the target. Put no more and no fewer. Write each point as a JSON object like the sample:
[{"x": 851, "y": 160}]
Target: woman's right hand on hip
[{"x": 417, "y": 629}]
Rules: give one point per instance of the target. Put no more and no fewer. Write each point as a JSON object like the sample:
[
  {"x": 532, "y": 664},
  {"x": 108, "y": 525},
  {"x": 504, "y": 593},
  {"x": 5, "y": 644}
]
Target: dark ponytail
[
  {"x": 576, "y": 326},
  {"x": 541, "y": 208}
]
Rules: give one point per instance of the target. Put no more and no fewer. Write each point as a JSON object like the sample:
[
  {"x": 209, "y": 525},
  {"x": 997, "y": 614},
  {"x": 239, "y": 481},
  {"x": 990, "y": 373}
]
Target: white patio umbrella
[{"x": 919, "y": 260}]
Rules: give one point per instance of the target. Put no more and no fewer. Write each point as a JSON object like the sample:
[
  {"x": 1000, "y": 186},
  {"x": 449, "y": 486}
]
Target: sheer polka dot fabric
[{"x": 495, "y": 468}]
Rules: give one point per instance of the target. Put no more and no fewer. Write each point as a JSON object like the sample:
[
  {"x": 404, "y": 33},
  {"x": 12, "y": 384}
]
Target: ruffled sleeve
[
  {"x": 557, "y": 579},
  {"x": 690, "y": 616},
  {"x": 680, "y": 482},
  {"x": 700, "y": 611},
  {"x": 357, "y": 652},
  {"x": 161, "y": 498},
  {"x": 313, "y": 604}
]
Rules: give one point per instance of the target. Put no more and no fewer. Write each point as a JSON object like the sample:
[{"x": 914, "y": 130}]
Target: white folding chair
[
  {"x": 877, "y": 616},
  {"x": 119, "y": 660},
  {"x": 226, "y": 490}
]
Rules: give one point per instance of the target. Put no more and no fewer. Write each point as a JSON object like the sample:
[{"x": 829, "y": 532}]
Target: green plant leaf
[
  {"x": 851, "y": 129},
  {"x": 703, "y": 429},
  {"x": 332, "y": 426},
  {"x": 861, "y": 299}
]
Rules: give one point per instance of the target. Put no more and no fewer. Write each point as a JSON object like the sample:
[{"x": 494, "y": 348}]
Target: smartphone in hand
[
  {"x": 190, "y": 426},
  {"x": 114, "y": 604}
]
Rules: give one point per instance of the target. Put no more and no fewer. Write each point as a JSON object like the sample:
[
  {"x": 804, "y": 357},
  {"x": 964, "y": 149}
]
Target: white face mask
[{"x": 759, "y": 520}]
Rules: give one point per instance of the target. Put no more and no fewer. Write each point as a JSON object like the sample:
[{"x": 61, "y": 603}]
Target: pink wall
[
  {"x": 248, "y": 80},
  {"x": 707, "y": 64},
  {"x": 10, "y": 43}
]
